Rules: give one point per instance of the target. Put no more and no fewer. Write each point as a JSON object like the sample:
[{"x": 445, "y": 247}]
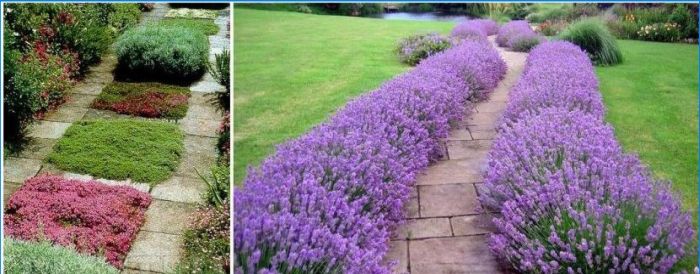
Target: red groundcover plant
[
  {"x": 150, "y": 104},
  {"x": 94, "y": 218}
]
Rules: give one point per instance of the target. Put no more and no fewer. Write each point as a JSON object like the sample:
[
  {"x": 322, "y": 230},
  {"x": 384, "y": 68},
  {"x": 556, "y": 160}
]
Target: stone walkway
[
  {"x": 445, "y": 232},
  {"x": 157, "y": 246}
]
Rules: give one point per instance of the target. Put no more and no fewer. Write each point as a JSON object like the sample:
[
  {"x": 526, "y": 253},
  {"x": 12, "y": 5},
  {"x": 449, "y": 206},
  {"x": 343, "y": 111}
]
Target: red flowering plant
[
  {"x": 92, "y": 217},
  {"x": 152, "y": 100}
]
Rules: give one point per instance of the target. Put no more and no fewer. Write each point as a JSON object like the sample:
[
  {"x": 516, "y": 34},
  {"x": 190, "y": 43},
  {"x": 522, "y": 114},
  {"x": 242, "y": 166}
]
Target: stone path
[
  {"x": 445, "y": 232},
  {"x": 157, "y": 246}
]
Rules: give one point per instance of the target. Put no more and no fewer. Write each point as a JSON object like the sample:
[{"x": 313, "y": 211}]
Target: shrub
[
  {"x": 525, "y": 41},
  {"x": 415, "y": 48},
  {"x": 92, "y": 217},
  {"x": 191, "y": 13},
  {"x": 594, "y": 38},
  {"x": 507, "y": 31},
  {"x": 570, "y": 199},
  {"x": 549, "y": 28},
  {"x": 326, "y": 202},
  {"x": 207, "y": 242},
  {"x": 220, "y": 70},
  {"x": 666, "y": 32},
  {"x": 152, "y": 100},
  {"x": 120, "y": 149},
  {"x": 470, "y": 30},
  {"x": 558, "y": 14},
  {"x": 162, "y": 52},
  {"x": 124, "y": 16},
  {"x": 206, "y": 26},
  {"x": 27, "y": 257},
  {"x": 683, "y": 17},
  {"x": 223, "y": 145}
]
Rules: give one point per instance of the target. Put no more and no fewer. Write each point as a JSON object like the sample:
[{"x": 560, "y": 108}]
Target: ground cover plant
[
  {"x": 292, "y": 84},
  {"x": 120, "y": 149},
  {"x": 570, "y": 198},
  {"x": 415, "y": 48},
  {"x": 162, "y": 52},
  {"x": 206, "y": 241},
  {"x": 43, "y": 257},
  {"x": 92, "y": 217},
  {"x": 46, "y": 48},
  {"x": 206, "y": 26},
  {"x": 594, "y": 38},
  {"x": 191, "y": 13},
  {"x": 153, "y": 100},
  {"x": 358, "y": 168}
]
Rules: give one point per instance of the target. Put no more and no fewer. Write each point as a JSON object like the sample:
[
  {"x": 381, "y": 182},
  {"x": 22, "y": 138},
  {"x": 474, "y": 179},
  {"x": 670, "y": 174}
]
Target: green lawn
[
  {"x": 293, "y": 70},
  {"x": 652, "y": 101}
]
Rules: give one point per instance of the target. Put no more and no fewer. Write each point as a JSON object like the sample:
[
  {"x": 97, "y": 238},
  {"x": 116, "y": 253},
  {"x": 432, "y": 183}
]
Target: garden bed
[
  {"x": 152, "y": 100},
  {"x": 94, "y": 218},
  {"x": 143, "y": 151}
]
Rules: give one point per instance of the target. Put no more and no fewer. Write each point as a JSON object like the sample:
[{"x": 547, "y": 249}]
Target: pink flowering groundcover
[{"x": 95, "y": 218}]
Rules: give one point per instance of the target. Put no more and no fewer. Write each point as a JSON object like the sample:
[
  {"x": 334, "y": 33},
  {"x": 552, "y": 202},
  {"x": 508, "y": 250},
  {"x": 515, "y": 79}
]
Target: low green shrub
[
  {"x": 162, "y": 52},
  {"x": 206, "y": 26},
  {"x": 415, "y": 48},
  {"x": 594, "y": 38},
  {"x": 124, "y": 16},
  {"x": 220, "y": 69},
  {"x": 144, "y": 151},
  {"x": 27, "y": 257}
]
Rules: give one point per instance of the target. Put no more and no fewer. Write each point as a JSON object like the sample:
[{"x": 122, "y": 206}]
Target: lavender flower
[{"x": 510, "y": 29}]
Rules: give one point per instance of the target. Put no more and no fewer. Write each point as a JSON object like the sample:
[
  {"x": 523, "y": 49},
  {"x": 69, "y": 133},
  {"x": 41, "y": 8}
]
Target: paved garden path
[
  {"x": 157, "y": 247},
  {"x": 445, "y": 231}
]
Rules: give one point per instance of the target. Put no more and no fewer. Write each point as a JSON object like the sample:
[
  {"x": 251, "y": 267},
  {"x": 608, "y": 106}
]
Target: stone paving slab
[
  {"x": 180, "y": 189},
  {"x": 447, "y": 200},
  {"x": 200, "y": 98},
  {"x": 483, "y": 118},
  {"x": 412, "y": 207},
  {"x": 200, "y": 127},
  {"x": 484, "y": 134},
  {"x": 460, "y": 134},
  {"x": 424, "y": 228},
  {"x": 48, "y": 129},
  {"x": 87, "y": 88},
  {"x": 168, "y": 217},
  {"x": 472, "y": 225},
  {"x": 79, "y": 100},
  {"x": 99, "y": 77},
  {"x": 153, "y": 251},
  {"x": 66, "y": 114},
  {"x": 8, "y": 189},
  {"x": 192, "y": 163},
  {"x": 398, "y": 252},
  {"x": 203, "y": 112},
  {"x": 452, "y": 255},
  {"x": 468, "y": 149},
  {"x": 37, "y": 148},
  {"x": 491, "y": 107},
  {"x": 467, "y": 170},
  {"x": 17, "y": 170}
]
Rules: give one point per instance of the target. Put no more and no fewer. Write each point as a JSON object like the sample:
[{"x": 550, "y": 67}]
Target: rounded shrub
[
  {"x": 162, "y": 52},
  {"x": 43, "y": 257},
  {"x": 418, "y": 47},
  {"x": 525, "y": 42},
  {"x": 594, "y": 38}
]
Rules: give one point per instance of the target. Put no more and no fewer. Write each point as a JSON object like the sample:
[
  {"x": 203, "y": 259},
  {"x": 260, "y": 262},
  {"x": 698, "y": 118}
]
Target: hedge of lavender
[
  {"x": 477, "y": 29},
  {"x": 327, "y": 201},
  {"x": 518, "y": 35},
  {"x": 570, "y": 199},
  {"x": 416, "y": 48}
]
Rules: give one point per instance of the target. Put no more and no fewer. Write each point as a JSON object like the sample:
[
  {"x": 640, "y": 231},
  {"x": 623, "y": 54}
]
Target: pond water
[{"x": 422, "y": 16}]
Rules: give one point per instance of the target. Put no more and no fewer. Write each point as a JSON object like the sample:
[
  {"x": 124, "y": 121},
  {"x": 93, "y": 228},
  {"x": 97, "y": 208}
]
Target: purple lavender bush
[
  {"x": 489, "y": 25},
  {"x": 327, "y": 201},
  {"x": 470, "y": 30},
  {"x": 571, "y": 201},
  {"x": 415, "y": 48},
  {"x": 524, "y": 42},
  {"x": 510, "y": 29}
]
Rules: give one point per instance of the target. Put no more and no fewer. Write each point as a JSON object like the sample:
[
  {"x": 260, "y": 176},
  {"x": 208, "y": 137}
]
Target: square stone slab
[
  {"x": 487, "y": 134},
  {"x": 7, "y": 189},
  {"x": 180, "y": 189},
  {"x": 207, "y": 112},
  {"x": 398, "y": 253},
  {"x": 452, "y": 255},
  {"x": 88, "y": 88},
  {"x": 16, "y": 170},
  {"x": 207, "y": 86},
  {"x": 48, "y": 129},
  {"x": 80, "y": 100},
  {"x": 195, "y": 162},
  {"x": 37, "y": 148},
  {"x": 168, "y": 217},
  {"x": 66, "y": 114},
  {"x": 467, "y": 170},
  {"x": 472, "y": 225},
  {"x": 484, "y": 118},
  {"x": 143, "y": 187},
  {"x": 100, "y": 77},
  {"x": 412, "y": 206},
  {"x": 200, "y": 98},
  {"x": 424, "y": 228},
  {"x": 490, "y": 106},
  {"x": 467, "y": 149},
  {"x": 200, "y": 127},
  {"x": 447, "y": 200},
  {"x": 199, "y": 144},
  {"x": 153, "y": 251},
  {"x": 136, "y": 271}
]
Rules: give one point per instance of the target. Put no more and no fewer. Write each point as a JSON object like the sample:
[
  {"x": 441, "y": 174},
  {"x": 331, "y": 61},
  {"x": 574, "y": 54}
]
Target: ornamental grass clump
[
  {"x": 571, "y": 201},
  {"x": 328, "y": 201},
  {"x": 415, "y": 48},
  {"x": 594, "y": 38},
  {"x": 92, "y": 217},
  {"x": 510, "y": 29}
]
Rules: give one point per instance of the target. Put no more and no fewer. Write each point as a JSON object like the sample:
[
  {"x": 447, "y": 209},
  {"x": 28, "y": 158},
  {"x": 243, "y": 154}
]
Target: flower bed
[
  {"x": 477, "y": 29},
  {"x": 328, "y": 201},
  {"x": 120, "y": 149},
  {"x": 571, "y": 200},
  {"x": 416, "y": 48},
  {"x": 517, "y": 32},
  {"x": 92, "y": 217},
  {"x": 151, "y": 100}
]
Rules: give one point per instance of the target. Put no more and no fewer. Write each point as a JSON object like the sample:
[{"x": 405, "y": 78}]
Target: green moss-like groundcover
[
  {"x": 144, "y": 151},
  {"x": 28, "y": 257},
  {"x": 153, "y": 100}
]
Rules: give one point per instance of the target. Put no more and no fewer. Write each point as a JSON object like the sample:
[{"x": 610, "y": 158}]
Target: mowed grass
[
  {"x": 293, "y": 70},
  {"x": 144, "y": 151}
]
